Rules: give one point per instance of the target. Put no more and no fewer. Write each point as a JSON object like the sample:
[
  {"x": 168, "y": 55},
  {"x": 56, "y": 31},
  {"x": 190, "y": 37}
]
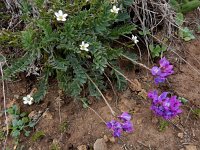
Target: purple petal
[
  {"x": 158, "y": 80},
  {"x": 155, "y": 71},
  {"x": 163, "y": 62},
  {"x": 162, "y": 96},
  {"x": 153, "y": 94},
  {"x": 125, "y": 116},
  {"x": 127, "y": 126},
  {"x": 117, "y": 132}
]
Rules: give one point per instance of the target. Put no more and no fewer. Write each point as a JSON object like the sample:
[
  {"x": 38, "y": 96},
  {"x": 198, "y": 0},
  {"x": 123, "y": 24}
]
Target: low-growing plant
[
  {"x": 2, "y": 135},
  {"x": 74, "y": 42},
  {"x": 157, "y": 50},
  {"x": 37, "y": 135},
  {"x": 185, "y": 6},
  {"x": 196, "y": 112},
  {"x": 186, "y": 34},
  {"x": 20, "y": 122},
  {"x": 163, "y": 124},
  {"x": 63, "y": 126}
]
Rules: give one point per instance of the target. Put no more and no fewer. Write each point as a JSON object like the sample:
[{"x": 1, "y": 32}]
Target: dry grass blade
[{"x": 2, "y": 62}]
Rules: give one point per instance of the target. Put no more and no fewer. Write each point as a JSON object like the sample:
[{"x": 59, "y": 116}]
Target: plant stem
[
  {"x": 97, "y": 114},
  {"x": 112, "y": 111},
  {"x": 4, "y": 103},
  {"x": 121, "y": 74},
  {"x": 135, "y": 62}
]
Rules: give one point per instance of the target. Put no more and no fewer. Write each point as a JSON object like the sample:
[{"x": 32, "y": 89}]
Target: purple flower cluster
[
  {"x": 162, "y": 72},
  {"x": 166, "y": 107},
  {"x": 118, "y": 127}
]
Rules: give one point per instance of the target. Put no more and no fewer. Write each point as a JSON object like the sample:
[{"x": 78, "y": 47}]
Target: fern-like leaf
[
  {"x": 20, "y": 65},
  {"x": 122, "y": 30}
]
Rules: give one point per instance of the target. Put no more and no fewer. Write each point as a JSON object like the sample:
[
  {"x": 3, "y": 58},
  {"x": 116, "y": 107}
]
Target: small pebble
[
  {"x": 180, "y": 135},
  {"x": 105, "y": 138},
  {"x": 112, "y": 139}
]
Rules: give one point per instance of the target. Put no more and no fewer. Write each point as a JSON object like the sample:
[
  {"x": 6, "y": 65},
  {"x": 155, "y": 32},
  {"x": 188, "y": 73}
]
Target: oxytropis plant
[
  {"x": 124, "y": 124},
  {"x": 162, "y": 105}
]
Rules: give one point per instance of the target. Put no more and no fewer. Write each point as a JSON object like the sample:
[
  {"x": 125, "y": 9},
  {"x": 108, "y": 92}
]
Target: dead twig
[{"x": 4, "y": 104}]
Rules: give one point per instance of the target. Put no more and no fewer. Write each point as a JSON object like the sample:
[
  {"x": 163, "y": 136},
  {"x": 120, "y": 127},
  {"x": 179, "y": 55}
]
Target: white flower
[
  {"x": 84, "y": 46},
  {"x": 60, "y": 16},
  {"x": 28, "y": 100},
  {"x": 115, "y": 10},
  {"x": 134, "y": 38}
]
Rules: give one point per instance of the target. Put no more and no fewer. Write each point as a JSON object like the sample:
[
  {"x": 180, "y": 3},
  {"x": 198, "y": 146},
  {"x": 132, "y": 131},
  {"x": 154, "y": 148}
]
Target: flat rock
[
  {"x": 100, "y": 144},
  {"x": 190, "y": 147}
]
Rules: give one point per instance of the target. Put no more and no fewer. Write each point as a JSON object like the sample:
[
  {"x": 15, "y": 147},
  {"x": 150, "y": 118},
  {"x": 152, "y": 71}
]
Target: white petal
[
  {"x": 83, "y": 43},
  {"x": 86, "y": 49},
  {"x": 65, "y": 15},
  {"x": 60, "y": 12},
  {"x": 25, "y": 102},
  {"x": 30, "y": 102},
  {"x": 111, "y": 10},
  {"x": 28, "y": 96},
  {"x": 86, "y": 45},
  {"x": 56, "y": 14},
  {"x": 31, "y": 98},
  {"x": 114, "y": 7}
]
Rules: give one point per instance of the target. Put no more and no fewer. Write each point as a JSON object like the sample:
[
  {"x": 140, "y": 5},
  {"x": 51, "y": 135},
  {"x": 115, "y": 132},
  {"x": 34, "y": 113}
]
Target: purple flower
[
  {"x": 166, "y": 107},
  {"x": 127, "y": 126},
  {"x": 162, "y": 72},
  {"x": 113, "y": 125},
  {"x": 118, "y": 127},
  {"x": 125, "y": 116},
  {"x": 117, "y": 132}
]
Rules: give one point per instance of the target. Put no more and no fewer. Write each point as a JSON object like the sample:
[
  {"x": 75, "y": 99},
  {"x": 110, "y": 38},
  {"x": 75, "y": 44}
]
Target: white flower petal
[
  {"x": 86, "y": 45},
  {"x": 25, "y": 102},
  {"x": 28, "y": 96},
  {"x": 56, "y": 14},
  {"x": 60, "y": 12},
  {"x": 86, "y": 49},
  {"x": 65, "y": 15},
  {"x": 30, "y": 102}
]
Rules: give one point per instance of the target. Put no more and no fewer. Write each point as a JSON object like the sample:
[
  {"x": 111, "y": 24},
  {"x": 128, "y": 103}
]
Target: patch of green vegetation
[
  {"x": 37, "y": 136},
  {"x": 2, "y": 135},
  {"x": 20, "y": 122},
  {"x": 196, "y": 112},
  {"x": 186, "y": 34},
  {"x": 56, "y": 45},
  {"x": 183, "y": 100},
  {"x": 63, "y": 126},
  {"x": 163, "y": 125},
  {"x": 55, "y": 146},
  {"x": 157, "y": 50},
  {"x": 185, "y": 6}
]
